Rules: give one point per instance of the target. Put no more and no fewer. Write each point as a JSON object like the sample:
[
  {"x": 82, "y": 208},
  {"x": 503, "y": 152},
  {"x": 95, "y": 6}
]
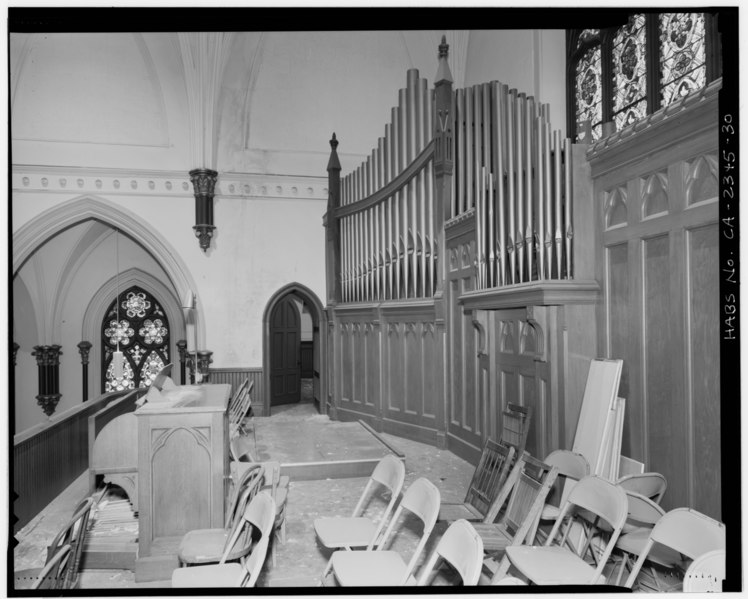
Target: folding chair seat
[
  {"x": 359, "y": 530},
  {"x": 383, "y": 566},
  {"x": 207, "y": 545},
  {"x": 680, "y": 532},
  {"x": 255, "y": 530},
  {"x": 558, "y": 564},
  {"x": 462, "y": 548},
  {"x": 73, "y": 534},
  {"x": 489, "y": 477}
]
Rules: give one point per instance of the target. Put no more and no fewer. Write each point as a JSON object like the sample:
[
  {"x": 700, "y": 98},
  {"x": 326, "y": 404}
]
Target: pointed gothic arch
[
  {"x": 319, "y": 323},
  {"x": 34, "y": 234}
]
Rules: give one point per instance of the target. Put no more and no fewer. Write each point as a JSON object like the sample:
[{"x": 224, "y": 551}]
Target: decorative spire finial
[
  {"x": 333, "y": 163},
  {"x": 444, "y": 47}
]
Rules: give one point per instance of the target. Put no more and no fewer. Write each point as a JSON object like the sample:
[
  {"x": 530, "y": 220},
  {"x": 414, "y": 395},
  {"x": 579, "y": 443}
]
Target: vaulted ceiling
[{"x": 260, "y": 102}]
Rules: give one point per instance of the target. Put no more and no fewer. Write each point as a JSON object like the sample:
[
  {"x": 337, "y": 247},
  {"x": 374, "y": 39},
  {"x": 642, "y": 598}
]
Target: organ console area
[{"x": 172, "y": 461}]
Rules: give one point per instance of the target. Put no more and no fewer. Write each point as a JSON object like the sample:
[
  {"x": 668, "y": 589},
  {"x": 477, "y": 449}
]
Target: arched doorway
[{"x": 282, "y": 343}]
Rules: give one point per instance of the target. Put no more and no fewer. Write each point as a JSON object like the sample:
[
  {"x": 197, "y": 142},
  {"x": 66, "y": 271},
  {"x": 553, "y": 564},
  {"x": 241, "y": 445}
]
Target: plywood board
[{"x": 600, "y": 393}]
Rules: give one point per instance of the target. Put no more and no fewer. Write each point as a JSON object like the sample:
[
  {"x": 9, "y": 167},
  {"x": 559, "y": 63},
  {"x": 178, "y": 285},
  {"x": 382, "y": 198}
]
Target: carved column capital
[
  {"x": 84, "y": 348},
  {"x": 14, "y": 352},
  {"x": 203, "y": 181},
  {"x": 47, "y": 355},
  {"x": 182, "y": 349}
]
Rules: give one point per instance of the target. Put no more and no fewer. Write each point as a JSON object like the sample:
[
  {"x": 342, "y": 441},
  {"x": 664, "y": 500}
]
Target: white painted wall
[{"x": 532, "y": 61}]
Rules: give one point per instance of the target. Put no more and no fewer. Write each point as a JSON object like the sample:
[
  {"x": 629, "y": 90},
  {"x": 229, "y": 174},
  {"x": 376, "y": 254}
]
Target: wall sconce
[{"x": 204, "y": 184}]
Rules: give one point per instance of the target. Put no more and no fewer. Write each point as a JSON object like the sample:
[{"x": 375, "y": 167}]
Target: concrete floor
[{"x": 294, "y": 433}]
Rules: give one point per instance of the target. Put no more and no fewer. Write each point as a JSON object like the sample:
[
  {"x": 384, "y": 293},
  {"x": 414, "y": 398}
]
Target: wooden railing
[{"x": 48, "y": 457}]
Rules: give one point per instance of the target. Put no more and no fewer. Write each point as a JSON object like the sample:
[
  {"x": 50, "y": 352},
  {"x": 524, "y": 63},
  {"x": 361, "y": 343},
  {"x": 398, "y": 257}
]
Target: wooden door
[{"x": 285, "y": 353}]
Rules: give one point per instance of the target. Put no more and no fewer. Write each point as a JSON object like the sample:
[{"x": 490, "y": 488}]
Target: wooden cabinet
[{"x": 183, "y": 473}]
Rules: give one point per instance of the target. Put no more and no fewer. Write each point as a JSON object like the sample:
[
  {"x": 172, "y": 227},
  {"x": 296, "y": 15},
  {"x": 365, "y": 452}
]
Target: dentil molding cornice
[{"x": 96, "y": 181}]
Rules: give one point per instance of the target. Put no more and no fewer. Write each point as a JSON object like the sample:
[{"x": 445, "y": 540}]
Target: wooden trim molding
[
  {"x": 688, "y": 116},
  {"x": 535, "y": 293}
]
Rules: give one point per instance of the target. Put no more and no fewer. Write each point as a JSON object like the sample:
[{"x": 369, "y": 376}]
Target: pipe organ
[
  {"x": 386, "y": 212},
  {"x": 462, "y": 209},
  {"x": 515, "y": 173}
]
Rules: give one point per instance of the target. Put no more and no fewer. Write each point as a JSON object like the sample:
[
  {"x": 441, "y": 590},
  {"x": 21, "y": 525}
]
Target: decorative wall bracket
[
  {"x": 48, "y": 361},
  {"x": 204, "y": 184}
]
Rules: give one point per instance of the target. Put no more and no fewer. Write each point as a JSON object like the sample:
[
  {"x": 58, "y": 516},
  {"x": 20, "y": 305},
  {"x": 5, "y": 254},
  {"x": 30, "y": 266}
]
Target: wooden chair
[
  {"x": 515, "y": 427},
  {"x": 650, "y": 484},
  {"x": 382, "y": 566},
  {"x": 239, "y": 408},
  {"x": 519, "y": 521},
  {"x": 559, "y": 565},
  {"x": 208, "y": 545},
  {"x": 72, "y": 534},
  {"x": 489, "y": 477},
  {"x": 359, "y": 530},
  {"x": 681, "y": 531},
  {"x": 462, "y": 548},
  {"x": 257, "y": 516}
]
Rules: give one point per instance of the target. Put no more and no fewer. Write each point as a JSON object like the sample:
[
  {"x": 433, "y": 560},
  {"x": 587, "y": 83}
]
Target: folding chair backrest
[
  {"x": 528, "y": 495},
  {"x": 462, "y": 548},
  {"x": 236, "y": 399},
  {"x": 643, "y": 512},
  {"x": 54, "y": 572},
  {"x": 605, "y": 500},
  {"x": 422, "y": 499},
  {"x": 649, "y": 484},
  {"x": 515, "y": 426},
  {"x": 259, "y": 514},
  {"x": 490, "y": 473},
  {"x": 390, "y": 473},
  {"x": 687, "y": 531},
  {"x": 572, "y": 467}
]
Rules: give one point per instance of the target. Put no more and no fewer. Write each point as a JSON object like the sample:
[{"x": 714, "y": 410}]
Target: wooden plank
[{"x": 599, "y": 394}]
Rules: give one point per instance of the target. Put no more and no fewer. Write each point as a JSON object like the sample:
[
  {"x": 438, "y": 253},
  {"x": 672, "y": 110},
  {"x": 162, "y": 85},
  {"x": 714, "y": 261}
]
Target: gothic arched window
[
  {"x": 138, "y": 322},
  {"x": 621, "y": 74}
]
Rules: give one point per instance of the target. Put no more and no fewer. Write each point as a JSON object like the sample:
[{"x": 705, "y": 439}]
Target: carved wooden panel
[
  {"x": 359, "y": 366},
  {"x": 703, "y": 363},
  {"x": 180, "y": 479},
  {"x": 702, "y": 182},
  {"x": 660, "y": 268}
]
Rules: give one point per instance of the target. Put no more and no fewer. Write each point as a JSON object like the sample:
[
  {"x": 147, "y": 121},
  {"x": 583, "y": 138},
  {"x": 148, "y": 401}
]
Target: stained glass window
[
  {"x": 588, "y": 92},
  {"x": 623, "y": 73},
  {"x": 142, "y": 330},
  {"x": 630, "y": 72},
  {"x": 682, "y": 55}
]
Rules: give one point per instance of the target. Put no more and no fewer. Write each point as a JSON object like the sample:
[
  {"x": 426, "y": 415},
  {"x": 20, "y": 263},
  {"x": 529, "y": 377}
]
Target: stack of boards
[
  {"x": 112, "y": 538},
  {"x": 600, "y": 426}
]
